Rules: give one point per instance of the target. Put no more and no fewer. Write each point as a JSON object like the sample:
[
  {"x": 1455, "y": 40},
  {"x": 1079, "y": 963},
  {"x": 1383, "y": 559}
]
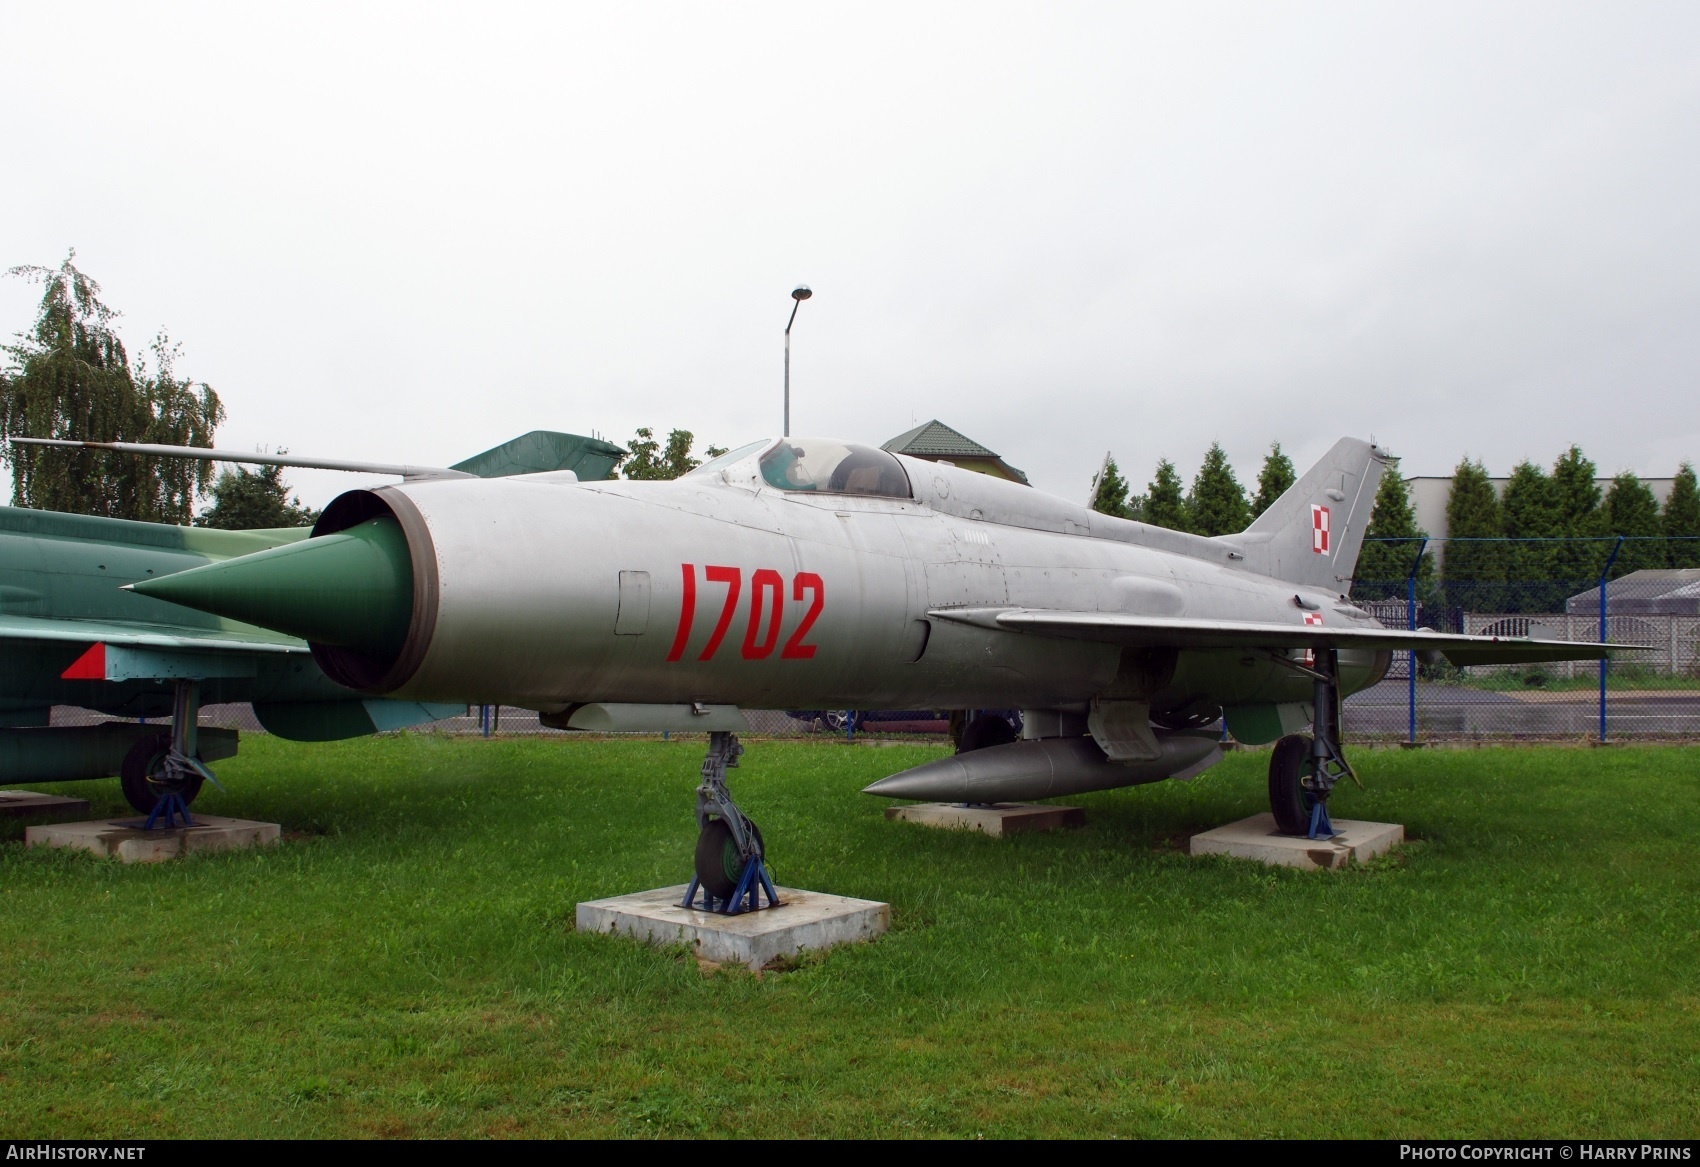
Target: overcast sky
[{"x": 410, "y": 232}]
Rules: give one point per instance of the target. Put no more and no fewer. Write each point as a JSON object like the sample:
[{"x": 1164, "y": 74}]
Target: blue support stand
[
  {"x": 746, "y": 897},
  {"x": 1320, "y": 826},
  {"x": 715, "y": 802},
  {"x": 170, "y": 806}
]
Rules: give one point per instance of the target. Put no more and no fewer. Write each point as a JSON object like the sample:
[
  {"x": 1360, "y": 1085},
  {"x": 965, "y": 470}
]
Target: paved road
[{"x": 1444, "y": 710}]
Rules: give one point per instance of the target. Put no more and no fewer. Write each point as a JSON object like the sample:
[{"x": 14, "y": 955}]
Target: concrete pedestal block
[
  {"x": 124, "y": 838},
  {"x": 27, "y": 804},
  {"x": 805, "y": 920},
  {"x": 997, "y": 819},
  {"x": 1256, "y": 838}
]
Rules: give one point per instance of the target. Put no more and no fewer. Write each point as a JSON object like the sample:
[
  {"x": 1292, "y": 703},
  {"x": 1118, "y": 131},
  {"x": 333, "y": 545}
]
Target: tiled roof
[{"x": 936, "y": 440}]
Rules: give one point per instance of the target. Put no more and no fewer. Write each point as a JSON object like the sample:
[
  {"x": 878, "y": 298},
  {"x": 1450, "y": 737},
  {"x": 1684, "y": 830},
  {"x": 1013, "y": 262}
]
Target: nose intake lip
[
  {"x": 362, "y": 591},
  {"x": 352, "y": 589}
]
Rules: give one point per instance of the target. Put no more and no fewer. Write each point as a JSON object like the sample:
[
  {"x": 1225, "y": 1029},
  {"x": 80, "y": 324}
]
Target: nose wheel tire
[
  {"x": 719, "y": 865},
  {"x": 1288, "y": 797},
  {"x": 143, "y": 779}
]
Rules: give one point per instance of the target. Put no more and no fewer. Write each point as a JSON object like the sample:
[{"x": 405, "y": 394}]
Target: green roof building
[{"x": 937, "y": 442}]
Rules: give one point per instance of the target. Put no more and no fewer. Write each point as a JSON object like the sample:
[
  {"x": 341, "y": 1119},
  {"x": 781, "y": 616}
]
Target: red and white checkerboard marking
[
  {"x": 1319, "y": 529},
  {"x": 1313, "y": 618}
]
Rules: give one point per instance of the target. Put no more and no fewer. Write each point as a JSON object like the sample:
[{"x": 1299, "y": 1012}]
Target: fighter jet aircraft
[
  {"x": 814, "y": 573},
  {"x": 70, "y": 637}
]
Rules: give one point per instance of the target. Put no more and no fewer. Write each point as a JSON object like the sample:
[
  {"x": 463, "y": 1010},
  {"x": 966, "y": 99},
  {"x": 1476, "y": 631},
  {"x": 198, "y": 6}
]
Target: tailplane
[
  {"x": 1312, "y": 534},
  {"x": 543, "y": 452}
]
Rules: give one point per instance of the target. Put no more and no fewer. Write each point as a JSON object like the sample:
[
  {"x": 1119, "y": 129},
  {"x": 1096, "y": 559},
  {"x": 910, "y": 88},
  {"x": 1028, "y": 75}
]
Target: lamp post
[{"x": 799, "y": 294}]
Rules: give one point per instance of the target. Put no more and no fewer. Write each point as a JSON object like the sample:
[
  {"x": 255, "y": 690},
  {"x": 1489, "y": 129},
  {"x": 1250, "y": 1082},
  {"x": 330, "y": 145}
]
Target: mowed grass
[{"x": 405, "y": 962}]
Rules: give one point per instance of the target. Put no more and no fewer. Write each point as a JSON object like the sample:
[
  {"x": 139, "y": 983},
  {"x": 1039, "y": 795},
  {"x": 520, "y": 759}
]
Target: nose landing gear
[{"x": 731, "y": 869}]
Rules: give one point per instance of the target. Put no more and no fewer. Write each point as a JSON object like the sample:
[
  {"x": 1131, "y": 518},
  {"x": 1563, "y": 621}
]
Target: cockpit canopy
[{"x": 829, "y": 467}]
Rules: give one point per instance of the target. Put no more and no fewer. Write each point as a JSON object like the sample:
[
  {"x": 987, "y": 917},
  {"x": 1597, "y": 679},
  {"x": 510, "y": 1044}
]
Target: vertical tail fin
[{"x": 1312, "y": 534}]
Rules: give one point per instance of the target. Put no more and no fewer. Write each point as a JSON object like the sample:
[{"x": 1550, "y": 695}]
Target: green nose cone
[{"x": 353, "y": 589}]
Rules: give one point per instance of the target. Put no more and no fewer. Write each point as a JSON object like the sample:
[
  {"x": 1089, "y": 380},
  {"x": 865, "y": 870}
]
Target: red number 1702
[{"x": 767, "y": 597}]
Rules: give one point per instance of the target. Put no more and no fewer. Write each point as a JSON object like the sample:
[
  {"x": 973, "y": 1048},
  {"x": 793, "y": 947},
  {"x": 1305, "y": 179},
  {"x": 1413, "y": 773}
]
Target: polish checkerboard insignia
[
  {"x": 1319, "y": 529},
  {"x": 1315, "y": 617}
]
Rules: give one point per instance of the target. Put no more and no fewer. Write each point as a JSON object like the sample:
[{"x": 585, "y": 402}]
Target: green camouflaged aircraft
[{"x": 71, "y": 637}]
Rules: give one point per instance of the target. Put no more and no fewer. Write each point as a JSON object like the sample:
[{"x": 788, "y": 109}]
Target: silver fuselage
[{"x": 551, "y": 595}]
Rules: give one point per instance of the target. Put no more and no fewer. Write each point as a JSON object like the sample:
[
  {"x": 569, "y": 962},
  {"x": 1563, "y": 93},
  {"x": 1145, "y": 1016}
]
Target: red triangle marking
[{"x": 91, "y": 666}]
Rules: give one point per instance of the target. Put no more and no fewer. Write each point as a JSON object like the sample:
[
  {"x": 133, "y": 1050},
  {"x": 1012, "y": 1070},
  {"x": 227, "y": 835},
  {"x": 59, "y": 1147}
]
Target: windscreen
[
  {"x": 729, "y": 457},
  {"x": 812, "y": 464}
]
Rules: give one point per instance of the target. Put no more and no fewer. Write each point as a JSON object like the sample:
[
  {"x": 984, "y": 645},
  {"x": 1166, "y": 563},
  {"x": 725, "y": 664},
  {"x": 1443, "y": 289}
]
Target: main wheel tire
[
  {"x": 719, "y": 866},
  {"x": 988, "y": 729},
  {"x": 1288, "y": 798},
  {"x": 142, "y": 775}
]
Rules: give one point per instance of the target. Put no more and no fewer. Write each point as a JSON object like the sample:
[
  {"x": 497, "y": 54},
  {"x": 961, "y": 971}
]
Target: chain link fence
[{"x": 1615, "y": 590}]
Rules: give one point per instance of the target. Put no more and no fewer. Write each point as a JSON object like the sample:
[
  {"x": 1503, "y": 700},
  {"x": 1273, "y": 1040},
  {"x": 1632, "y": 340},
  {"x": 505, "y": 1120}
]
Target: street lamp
[{"x": 799, "y": 294}]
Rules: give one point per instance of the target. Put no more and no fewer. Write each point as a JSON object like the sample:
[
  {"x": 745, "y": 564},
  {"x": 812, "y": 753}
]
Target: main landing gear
[
  {"x": 161, "y": 775},
  {"x": 731, "y": 869},
  {"x": 1304, "y": 770}
]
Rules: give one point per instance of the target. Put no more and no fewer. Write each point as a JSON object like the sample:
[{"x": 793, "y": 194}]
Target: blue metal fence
[{"x": 1610, "y": 589}]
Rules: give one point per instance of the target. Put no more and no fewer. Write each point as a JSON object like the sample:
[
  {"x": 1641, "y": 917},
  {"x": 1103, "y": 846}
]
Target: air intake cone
[{"x": 352, "y": 590}]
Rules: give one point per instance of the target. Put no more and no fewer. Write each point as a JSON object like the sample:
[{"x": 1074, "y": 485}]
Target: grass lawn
[
  {"x": 1620, "y": 679},
  {"x": 405, "y": 963}
]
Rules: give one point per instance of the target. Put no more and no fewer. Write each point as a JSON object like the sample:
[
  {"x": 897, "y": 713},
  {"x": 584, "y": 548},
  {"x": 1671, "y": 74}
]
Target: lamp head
[{"x": 801, "y": 293}]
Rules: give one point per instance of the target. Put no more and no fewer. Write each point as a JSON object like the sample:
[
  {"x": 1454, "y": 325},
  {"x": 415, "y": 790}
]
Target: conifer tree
[
  {"x": 1473, "y": 573},
  {"x": 1631, "y": 511},
  {"x": 1576, "y": 493},
  {"x": 1164, "y": 504},
  {"x": 1273, "y": 480},
  {"x": 1529, "y": 510},
  {"x": 71, "y": 377},
  {"x": 1576, "y": 496},
  {"x": 1109, "y": 494},
  {"x": 1681, "y": 521},
  {"x": 1218, "y": 504},
  {"x": 1391, "y": 544}
]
